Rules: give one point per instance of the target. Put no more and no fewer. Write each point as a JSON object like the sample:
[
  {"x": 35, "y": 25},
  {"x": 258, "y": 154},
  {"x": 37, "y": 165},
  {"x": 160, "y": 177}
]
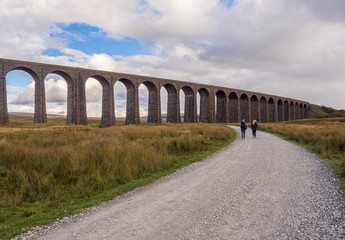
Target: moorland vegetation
[{"x": 53, "y": 170}]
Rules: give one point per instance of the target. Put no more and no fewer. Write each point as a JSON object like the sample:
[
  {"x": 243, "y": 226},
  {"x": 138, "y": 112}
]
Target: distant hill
[
  {"x": 317, "y": 111},
  {"x": 23, "y": 114}
]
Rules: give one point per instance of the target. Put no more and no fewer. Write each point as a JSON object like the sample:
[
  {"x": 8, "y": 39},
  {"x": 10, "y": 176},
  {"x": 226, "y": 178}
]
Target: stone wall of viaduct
[{"x": 217, "y": 104}]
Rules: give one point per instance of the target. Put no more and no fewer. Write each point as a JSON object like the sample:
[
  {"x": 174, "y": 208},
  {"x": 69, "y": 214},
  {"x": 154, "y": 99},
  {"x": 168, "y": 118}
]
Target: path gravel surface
[{"x": 263, "y": 188}]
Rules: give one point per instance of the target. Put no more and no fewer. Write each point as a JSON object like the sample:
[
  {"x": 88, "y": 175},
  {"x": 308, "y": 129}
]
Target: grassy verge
[
  {"x": 325, "y": 137},
  {"x": 51, "y": 171},
  {"x": 317, "y": 111}
]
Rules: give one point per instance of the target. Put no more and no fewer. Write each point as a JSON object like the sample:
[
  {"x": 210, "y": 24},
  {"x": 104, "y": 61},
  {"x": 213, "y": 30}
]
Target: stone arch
[
  {"x": 296, "y": 111},
  {"x": 189, "y": 104},
  {"x": 280, "y": 109},
  {"x": 271, "y": 110},
  {"x": 233, "y": 107},
  {"x": 221, "y": 107},
  {"x": 130, "y": 101},
  {"x": 78, "y": 75},
  {"x": 102, "y": 80},
  {"x": 204, "y": 105},
  {"x": 244, "y": 107},
  {"x": 153, "y": 107},
  {"x": 263, "y": 109},
  {"x": 26, "y": 81},
  {"x": 305, "y": 110},
  {"x": 107, "y": 100},
  {"x": 172, "y": 111},
  {"x": 29, "y": 71},
  {"x": 70, "y": 118},
  {"x": 301, "y": 116},
  {"x": 64, "y": 75},
  {"x": 254, "y": 107},
  {"x": 292, "y": 111},
  {"x": 40, "y": 115},
  {"x": 286, "y": 110}
]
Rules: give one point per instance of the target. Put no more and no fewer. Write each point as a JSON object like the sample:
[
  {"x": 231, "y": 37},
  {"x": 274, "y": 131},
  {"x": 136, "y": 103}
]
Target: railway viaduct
[{"x": 217, "y": 104}]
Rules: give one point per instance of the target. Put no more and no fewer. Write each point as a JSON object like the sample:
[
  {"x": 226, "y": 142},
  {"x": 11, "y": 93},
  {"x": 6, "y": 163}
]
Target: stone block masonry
[{"x": 217, "y": 104}]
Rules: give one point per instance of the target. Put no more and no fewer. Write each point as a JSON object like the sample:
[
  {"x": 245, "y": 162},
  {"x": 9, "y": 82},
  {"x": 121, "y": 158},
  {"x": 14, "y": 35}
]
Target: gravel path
[{"x": 264, "y": 188}]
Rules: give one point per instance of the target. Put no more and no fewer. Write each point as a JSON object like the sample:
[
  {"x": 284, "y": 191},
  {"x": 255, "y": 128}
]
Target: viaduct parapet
[{"x": 217, "y": 104}]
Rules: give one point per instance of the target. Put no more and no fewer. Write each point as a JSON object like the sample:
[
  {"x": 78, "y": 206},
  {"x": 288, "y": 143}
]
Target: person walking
[
  {"x": 243, "y": 129},
  {"x": 254, "y": 125}
]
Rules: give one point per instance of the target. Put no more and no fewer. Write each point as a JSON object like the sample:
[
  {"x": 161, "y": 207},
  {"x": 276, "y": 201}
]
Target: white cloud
[
  {"x": 93, "y": 90},
  {"x": 290, "y": 47},
  {"x": 26, "y": 96},
  {"x": 101, "y": 62},
  {"x": 56, "y": 90},
  {"x": 14, "y": 90},
  {"x": 143, "y": 112}
]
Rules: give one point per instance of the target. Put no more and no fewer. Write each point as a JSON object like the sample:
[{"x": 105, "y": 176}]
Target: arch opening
[
  {"x": 292, "y": 111},
  {"x": 120, "y": 102},
  {"x": 254, "y": 108},
  {"x": 26, "y": 70},
  {"x": 244, "y": 103},
  {"x": 280, "y": 110},
  {"x": 271, "y": 110},
  {"x": 143, "y": 99},
  {"x": 20, "y": 93},
  {"x": 59, "y": 100},
  {"x": 94, "y": 100},
  {"x": 286, "y": 110},
  {"x": 233, "y": 108},
  {"x": 305, "y": 110},
  {"x": 164, "y": 104},
  {"x": 221, "y": 107},
  {"x": 263, "y": 109},
  {"x": 296, "y": 111},
  {"x": 189, "y": 105},
  {"x": 301, "y": 116}
]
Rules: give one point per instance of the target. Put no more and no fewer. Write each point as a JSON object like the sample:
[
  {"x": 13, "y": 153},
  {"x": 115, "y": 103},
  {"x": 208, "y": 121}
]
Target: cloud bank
[{"x": 291, "y": 48}]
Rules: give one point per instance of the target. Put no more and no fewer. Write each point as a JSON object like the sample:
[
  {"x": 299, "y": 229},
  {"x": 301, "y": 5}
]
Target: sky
[{"x": 291, "y": 48}]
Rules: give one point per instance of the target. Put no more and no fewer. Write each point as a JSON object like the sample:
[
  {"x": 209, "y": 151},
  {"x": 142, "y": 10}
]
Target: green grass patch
[
  {"x": 51, "y": 171},
  {"x": 317, "y": 111}
]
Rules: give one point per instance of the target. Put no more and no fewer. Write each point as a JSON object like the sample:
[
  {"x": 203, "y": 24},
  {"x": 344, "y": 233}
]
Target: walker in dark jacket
[
  {"x": 254, "y": 126},
  {"x": 243, "y": 129}
]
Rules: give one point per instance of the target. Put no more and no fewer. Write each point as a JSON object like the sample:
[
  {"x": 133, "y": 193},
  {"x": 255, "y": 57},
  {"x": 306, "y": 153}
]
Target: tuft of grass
[
  {"x": 323, "y": 136},
  {"x": 50, "y": 171}
]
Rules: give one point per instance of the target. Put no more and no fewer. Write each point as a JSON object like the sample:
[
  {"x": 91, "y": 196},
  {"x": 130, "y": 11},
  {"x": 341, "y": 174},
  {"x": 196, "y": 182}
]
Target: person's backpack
[{"x": 243, "y": 125}]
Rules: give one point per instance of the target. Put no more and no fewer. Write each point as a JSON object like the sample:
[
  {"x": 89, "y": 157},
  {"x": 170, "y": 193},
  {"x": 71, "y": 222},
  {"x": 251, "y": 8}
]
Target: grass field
[
  {"x": 324, "y": 136},
  {"x": 53, "y": 170}
]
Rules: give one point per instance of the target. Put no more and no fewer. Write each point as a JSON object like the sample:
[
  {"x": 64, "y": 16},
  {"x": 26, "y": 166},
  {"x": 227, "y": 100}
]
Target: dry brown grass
[
  {"x": 49, "y": 171},
  {"x": 55, "y": 162}
]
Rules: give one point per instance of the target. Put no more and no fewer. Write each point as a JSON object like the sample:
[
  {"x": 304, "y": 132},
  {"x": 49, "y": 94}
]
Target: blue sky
[
  {"x": 18, "y": 78},
  {"x": 88, "y": 39},
  {"x": 290, "y": 48},
  {"x": 228, "y": 3},
  {"x": 92, "y": 40}
]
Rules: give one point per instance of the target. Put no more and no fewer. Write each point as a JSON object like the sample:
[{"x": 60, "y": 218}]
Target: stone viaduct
[{"x": 217, "y": 104}]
